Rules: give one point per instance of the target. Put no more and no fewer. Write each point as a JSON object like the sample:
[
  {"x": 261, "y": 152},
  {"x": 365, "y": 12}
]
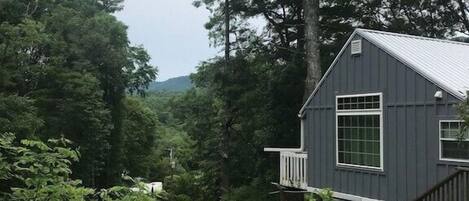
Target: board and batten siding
[{"x": 411, "y": 116}]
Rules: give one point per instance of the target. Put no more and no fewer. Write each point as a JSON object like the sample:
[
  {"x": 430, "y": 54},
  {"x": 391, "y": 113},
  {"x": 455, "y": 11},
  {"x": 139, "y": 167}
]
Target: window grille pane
[
  {"x": 376, "y": 161},
  {"x": 358, "y": 103},
  {"x": 455, "y": 149},
  {"x": 453, "y": 130},
  {"x": 445, "y": 125},
  {"x": 359, "y": 140},
  {"x": 368, "y": 99},
  {"x": 361, "y": 99}
]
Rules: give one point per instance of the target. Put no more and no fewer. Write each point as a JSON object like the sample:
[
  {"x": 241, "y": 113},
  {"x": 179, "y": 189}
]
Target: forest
[{"x": 77, "y": 121}]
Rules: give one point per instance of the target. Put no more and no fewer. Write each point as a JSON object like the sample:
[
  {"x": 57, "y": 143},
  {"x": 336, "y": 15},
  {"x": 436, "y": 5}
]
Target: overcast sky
[{"x": 172, "y": 31}]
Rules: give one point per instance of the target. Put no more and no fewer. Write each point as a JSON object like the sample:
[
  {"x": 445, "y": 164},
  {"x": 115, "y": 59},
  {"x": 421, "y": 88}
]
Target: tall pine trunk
[{"x": 312, "y": 59}]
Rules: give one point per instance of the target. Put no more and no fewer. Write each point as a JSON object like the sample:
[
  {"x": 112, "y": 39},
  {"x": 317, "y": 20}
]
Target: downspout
[{"x": 300, "y": 149}]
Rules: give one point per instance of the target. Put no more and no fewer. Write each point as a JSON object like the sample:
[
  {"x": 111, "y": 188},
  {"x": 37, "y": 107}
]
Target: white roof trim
[{"x": 391, "y": 53}]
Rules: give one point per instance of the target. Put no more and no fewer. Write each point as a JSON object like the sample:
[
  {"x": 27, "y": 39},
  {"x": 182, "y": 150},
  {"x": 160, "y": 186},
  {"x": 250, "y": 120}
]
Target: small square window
[{"x": 454, "y": 141}]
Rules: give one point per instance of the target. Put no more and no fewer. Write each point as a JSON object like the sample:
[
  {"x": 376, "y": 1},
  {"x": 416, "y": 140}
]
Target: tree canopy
[{"x": 66, "y": 67}]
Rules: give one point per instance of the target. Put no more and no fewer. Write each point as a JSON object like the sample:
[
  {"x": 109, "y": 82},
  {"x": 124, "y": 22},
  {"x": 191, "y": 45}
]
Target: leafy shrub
[
  {"x": 38, "y": 171},
  {"x": 322, "y": 195}
]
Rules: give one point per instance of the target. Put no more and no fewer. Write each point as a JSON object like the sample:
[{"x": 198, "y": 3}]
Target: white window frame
[
  {"x": 440, "y": 139},
  {"x": 353, "y": 112}
]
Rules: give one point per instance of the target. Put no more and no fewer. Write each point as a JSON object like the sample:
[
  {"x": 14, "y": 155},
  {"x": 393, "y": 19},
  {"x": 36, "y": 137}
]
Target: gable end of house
[{"x": 368, "y": 35}]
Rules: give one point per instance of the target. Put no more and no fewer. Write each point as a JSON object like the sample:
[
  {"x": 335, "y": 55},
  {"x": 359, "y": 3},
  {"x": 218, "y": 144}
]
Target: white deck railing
[{"x": 293, "y": 171}]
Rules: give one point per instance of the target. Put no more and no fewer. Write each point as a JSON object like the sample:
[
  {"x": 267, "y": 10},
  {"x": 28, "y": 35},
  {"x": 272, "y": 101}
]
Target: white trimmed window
[
  {"x": 359, "y": 130},
  {"x": 454, "y": 143}
]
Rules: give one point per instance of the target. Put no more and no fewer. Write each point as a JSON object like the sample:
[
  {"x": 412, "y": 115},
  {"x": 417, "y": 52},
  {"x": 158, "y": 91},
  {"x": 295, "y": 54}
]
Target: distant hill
[{"x": 181, "y": 83}]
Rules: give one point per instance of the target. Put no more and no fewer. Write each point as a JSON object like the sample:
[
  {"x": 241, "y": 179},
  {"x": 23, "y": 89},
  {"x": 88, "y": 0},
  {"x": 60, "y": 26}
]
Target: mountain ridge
[{"x": 176, "y": 84}]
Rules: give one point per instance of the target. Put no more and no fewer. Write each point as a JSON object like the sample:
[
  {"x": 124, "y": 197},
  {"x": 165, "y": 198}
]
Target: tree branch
[{"x": 462, "y": 9}]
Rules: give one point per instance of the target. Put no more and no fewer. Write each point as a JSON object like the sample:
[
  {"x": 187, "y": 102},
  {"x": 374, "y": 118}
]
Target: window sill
[
  {"x": 453, "y": 162},
  {"x": 360, "y": 169}
]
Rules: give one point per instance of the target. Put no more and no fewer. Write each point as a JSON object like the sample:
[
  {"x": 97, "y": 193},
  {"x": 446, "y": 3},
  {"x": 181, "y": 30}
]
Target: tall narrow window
[
  {"x": 359, "y": 131},
  {"x": 454, "y": 143}
]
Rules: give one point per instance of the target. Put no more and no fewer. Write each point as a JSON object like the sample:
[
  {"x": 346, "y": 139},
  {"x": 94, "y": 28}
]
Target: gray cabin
[{"x": 382, "y": 123}]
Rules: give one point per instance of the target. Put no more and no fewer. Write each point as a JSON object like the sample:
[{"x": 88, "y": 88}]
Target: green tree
[
  {"x": 40, "y": 170},
  {"x": 71, "y": 105},
  {"x": 192, "y": 110},
  {"x": 139, "y": 127},
  {"x": 20, "y": 56},
  {"x": 248, "y": 133},
  {"x": 19, "y": 115},
  {"x": 73, "y": 62}
]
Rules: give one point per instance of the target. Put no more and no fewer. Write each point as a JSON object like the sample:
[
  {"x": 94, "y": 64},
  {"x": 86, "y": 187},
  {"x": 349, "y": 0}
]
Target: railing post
[
  {"x": 281, "y": 167},
  {"x": 296, "y": 171}
]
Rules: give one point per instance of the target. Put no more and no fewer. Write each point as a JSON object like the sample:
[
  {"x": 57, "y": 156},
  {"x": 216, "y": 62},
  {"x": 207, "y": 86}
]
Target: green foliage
[
  {"x": 121, "y": 193},
  {"x": 18, "y": 115},
  {"x": 248, "y": 132},
  {"x": 463, "y": 112},
  {"x": 192, "y": 111},
  {"x": 66, "y": 67},
  {"x": 21, "y": 47},
  {"x": 71, "y": 105},
  {"x": 139, "y": 128},
  {"x": 249, "y": 192},
  {"x": 39, "y": 171},
  {"x": 322, "y": 195},
  {"x": 183, "y": 181},
  {"x": 139, "y": 73},
  {"x": 170, "y": 134},
  {"x": 185, "y": 187},
  {"x": 110, "y": 5},
  {"x": 124, "y": 194}
]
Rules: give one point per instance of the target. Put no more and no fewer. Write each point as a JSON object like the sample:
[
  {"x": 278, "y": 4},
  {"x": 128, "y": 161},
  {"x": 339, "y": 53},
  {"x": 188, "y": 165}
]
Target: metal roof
[{"x": 443, "y": 62}]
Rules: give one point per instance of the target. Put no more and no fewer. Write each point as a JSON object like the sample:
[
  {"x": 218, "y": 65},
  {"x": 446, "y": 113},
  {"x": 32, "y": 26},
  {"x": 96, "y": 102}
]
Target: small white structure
[
  {"x": 150, "y": 188},
  {"x": 154, "y": 187}
]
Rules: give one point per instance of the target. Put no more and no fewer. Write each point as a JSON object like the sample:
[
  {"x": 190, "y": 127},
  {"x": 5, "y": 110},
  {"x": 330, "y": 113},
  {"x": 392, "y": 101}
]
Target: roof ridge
[{"x": 413, "y": 36}]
